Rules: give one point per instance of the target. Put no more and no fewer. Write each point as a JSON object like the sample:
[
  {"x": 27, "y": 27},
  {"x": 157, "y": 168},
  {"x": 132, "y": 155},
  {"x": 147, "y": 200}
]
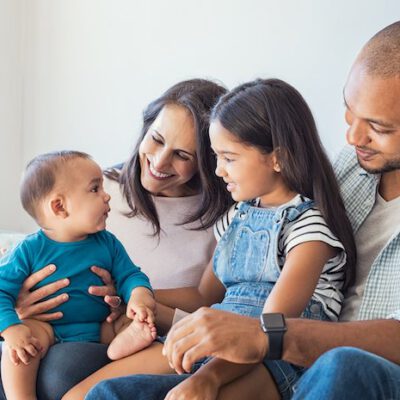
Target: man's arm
[
  {"x": 305, "y": 340},
  {"x": 239, "y": 339}
]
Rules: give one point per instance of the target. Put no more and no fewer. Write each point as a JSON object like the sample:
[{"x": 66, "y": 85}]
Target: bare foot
[{"x": 132, "y": 339}]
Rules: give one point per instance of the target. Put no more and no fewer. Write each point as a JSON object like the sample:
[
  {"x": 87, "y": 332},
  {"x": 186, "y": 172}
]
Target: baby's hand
[
  {"x": 21, "y": 344},
  {"x": 141, "y": 306}
]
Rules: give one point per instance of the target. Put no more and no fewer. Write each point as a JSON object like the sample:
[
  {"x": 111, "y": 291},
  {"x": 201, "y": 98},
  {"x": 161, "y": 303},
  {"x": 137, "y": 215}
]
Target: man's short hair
[
  {"x": 40, "y": 177},
  {"x": 381, "y": 55}
]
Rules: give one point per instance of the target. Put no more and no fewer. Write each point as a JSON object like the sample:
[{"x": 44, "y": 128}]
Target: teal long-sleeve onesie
[{"x": 83, "y": 313}]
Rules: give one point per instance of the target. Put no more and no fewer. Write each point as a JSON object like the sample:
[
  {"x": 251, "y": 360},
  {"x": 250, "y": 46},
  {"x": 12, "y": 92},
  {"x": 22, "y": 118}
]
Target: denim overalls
[
  {"x": 246, "y": 262},
  {"x": 246, "y": 258}
]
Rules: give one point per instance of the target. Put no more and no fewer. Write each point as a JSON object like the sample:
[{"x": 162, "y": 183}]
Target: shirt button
[{"x": 242, "y": 215}]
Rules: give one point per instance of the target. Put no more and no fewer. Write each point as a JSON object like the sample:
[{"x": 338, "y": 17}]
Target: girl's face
[
  {"x": 167, "y": 153},
  {"x": 247, "y": 171}
]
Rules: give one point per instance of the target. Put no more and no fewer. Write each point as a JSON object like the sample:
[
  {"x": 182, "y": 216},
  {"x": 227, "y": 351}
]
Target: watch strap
[{"x": 275, "y": 345}]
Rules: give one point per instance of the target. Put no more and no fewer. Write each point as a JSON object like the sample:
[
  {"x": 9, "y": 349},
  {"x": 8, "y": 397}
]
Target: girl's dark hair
[
  {"x": 198, "y": 96},
  {"x": 272, "y": 115}
]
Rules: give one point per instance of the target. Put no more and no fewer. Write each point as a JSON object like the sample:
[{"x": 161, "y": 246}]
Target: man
[{"x": 354, "y": 359}]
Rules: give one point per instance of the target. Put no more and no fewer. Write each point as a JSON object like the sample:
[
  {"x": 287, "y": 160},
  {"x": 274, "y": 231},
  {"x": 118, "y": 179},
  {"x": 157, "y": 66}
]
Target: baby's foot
[{"x": 132, "y": 339}]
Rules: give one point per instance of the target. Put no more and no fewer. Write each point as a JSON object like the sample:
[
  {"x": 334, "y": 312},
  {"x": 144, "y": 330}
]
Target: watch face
[{"x": 273, "y": 321}]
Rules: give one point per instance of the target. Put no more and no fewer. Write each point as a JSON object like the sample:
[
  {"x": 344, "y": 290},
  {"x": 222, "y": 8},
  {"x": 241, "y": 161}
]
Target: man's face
[{"x": 373, "y": 116}]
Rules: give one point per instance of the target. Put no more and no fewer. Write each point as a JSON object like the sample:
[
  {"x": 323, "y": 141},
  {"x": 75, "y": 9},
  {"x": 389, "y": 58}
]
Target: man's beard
[{"x": 391, "y": 165}]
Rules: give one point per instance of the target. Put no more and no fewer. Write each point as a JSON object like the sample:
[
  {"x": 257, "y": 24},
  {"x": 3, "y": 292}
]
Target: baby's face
[{"x": 86, "y": 202}]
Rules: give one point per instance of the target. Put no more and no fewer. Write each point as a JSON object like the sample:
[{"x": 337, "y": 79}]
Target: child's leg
[
  {"x": 257, "y": 384},
  {"x": 126, "y": 337},
  {"x": 147, "y": 361},
  {"x": 19, "y": 381}
]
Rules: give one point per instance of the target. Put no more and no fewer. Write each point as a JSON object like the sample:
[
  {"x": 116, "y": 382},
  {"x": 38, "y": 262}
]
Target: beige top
[{"x": 179, "y": 256}]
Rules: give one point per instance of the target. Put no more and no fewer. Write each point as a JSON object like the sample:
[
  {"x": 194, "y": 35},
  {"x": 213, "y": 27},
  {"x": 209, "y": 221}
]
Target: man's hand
[
  {"x": 29, "y": 304},
  {"x": 22, "y": 345},
  {"x": 221, "y": 334}
]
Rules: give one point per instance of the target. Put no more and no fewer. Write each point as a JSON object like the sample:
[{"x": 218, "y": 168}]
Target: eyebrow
[
  {"x": 180, "y": 150},
  {"x": 225, "y": 152},
  {"x": 95, "y": 180},
  {"x": 372, "y": 120}
]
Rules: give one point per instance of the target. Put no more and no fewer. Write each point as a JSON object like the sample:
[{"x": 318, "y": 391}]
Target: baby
[{"x": 63, "y": 192}]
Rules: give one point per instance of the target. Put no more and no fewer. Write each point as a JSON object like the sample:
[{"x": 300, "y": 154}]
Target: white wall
[
  {"x": 92, "y": 65},
  {"x": 10, "y": 112}
]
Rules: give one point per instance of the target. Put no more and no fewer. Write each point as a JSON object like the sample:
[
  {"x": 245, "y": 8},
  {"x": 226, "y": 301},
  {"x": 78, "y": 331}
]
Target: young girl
[{"x": 286, "y": 246}]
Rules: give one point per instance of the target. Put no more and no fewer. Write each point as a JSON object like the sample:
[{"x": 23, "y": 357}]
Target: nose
[
  {"x": 220, "y": 170},
  {"x": 357, "y": 133},
  {"x": 107, "y": 197},
  {"x": 162, "y": 159}
]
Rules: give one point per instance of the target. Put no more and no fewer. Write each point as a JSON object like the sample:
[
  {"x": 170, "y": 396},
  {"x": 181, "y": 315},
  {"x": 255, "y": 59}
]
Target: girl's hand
[
  {"x": 194, "y": 388},
  {"x": 109, "y": 292},
  {"x": 30, "y": 305},
  {"x": 21, "y": 344}
]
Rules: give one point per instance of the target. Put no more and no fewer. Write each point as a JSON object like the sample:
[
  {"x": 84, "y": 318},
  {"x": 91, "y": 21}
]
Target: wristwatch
[{"x": 273, "y": 324}]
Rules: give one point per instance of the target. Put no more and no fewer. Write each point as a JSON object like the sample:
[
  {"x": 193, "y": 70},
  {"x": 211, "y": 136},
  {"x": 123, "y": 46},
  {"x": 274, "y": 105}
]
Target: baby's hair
[
  {"x": 40, "y": 177},
  {"x": 271, "y": 115}
]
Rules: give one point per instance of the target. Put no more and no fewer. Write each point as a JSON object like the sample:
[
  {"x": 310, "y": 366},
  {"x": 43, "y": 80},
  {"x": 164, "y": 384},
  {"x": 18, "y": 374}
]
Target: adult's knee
[
  {"x": 347, "y": 372},
  {"x": 341, "y": 362}
]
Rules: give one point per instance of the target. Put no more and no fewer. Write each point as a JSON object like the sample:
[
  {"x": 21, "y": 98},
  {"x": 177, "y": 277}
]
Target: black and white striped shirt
[{"x": 309, "y": 226}]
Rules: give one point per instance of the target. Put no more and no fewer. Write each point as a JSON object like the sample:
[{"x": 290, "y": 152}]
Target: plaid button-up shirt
[{"x": 382, "y": 289}]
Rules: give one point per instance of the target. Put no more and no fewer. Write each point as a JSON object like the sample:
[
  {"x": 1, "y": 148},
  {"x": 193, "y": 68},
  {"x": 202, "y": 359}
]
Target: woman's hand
[
  {"x": 194, "y": 388},
  {"x": 29, "y": 304},
  {"x": 109, "y": 292}
]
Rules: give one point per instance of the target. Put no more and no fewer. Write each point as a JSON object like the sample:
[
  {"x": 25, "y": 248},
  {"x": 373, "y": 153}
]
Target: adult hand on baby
[
  {"x": 22, "y": 346},
  {"x": 29, "y": 304},
  {"x": 109, "y": 292}
]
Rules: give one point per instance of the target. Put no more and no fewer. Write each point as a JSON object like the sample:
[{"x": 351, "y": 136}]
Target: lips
[
  {"x": 365, "y": 154},
  {"x": 157, "y": 174},
  {"x": 230, "y": 186}
]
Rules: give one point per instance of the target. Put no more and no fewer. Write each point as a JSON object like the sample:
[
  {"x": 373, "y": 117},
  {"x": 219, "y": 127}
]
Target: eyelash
[
  {"x": 182, "y": 157},
  {"x": 228, "y": 160},
  {"x": 380, "y": 132}
]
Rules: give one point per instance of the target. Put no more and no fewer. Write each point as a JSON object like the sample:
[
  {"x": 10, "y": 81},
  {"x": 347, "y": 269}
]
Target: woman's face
[{"x": 168, "y": 153}]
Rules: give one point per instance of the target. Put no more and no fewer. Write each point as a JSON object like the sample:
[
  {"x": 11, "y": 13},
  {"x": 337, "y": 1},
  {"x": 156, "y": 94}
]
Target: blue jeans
[
  {"x": 138, "y": 387},
  {"x": 349, "y": 373},
  {"x": 340, "y": 374},
  {"x": 65, "y": 365}
]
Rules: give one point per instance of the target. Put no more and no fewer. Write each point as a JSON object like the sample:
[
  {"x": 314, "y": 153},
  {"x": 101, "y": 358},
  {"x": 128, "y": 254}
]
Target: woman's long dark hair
[
  {"x": 272, "y": 115},
  {"x": 198, "y": 96}
]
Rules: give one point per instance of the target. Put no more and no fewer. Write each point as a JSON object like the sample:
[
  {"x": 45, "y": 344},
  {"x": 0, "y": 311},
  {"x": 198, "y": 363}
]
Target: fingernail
[
  {"x": 52, "y": 267},
  {"x": 66, "y": 281},
  {"x": 65, "y": 296}
]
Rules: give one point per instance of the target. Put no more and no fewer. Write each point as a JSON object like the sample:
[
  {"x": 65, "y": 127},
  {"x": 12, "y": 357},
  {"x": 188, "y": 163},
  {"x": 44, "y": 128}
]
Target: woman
[{"x": 165, "y": 197}]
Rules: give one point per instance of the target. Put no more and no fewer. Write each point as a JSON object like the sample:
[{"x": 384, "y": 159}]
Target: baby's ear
[{"x": 57, "y": 206}]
